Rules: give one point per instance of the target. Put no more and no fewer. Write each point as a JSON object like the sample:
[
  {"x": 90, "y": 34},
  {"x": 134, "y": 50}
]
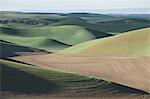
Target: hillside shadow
[
  {"x": 117, "y": 88},
  {"x": 9, "y": 49},
  {"x": 19, "y": 81},
  {"x": 9, "y": 31},
  {"x": 99, "y": 34}
]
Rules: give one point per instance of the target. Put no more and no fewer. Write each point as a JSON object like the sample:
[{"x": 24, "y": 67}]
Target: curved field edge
[
  {"x": 23, "y": 78},
  {"x": 135, "y": 42},
  {"x": 9, "y": 49},
  {"x": 43, "y": 43},
  {"x": 60, "y": 33},
  {"x": 49, "y": 38},
  {"x": 111, "y": 27}
]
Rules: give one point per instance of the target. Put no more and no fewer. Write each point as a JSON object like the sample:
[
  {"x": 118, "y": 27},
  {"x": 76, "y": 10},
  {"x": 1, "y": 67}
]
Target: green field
[
  {"x": 47, "y": 38},
  {"x": 60, "y": 31},
  {"x": 130, "y": 43},
  {"x": 112, "y": 27}
]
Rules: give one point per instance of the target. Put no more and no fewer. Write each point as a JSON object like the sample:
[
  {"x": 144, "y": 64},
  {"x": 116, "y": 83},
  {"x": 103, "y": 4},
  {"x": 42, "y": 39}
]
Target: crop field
[
  {"x": 23, "y": 79},
  {"x": 130, "y": 43},
  {"x": 74, "y": 56},
  {"x": 99, "y": 67}
]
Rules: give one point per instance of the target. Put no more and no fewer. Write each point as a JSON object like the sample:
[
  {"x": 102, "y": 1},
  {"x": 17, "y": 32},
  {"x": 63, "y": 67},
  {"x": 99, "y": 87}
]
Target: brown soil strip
[{"x": 131, "y": 71}]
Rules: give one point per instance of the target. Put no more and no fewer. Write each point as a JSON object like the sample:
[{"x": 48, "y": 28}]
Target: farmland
[{"x": 74, "y": 55}]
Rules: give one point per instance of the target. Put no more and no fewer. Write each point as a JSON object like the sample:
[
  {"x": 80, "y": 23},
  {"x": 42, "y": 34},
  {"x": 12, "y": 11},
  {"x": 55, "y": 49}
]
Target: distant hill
[
  {"x": 112, "y": 26},
  {"x": 57, "y": 31},
  {"x": 135, "y": 16},
  {"x": 71, "y": 21},
  {"x": 89, "y": 15},
  {"x": 126, "y": 11}
]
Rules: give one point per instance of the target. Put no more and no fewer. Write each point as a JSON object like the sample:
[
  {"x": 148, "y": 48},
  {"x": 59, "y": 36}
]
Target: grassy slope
[
  {"x": 133, "y": 42},
  {"x": 80, "y": 22},
  {"x": 112, "y": 27},
  {"x": 38, "y": 42},
  {"x": 22, "y": 78},
  {"x": 54, "y": 38},
  {"x": 120, "y": 26},
  {"x": 48, "y": 38}
]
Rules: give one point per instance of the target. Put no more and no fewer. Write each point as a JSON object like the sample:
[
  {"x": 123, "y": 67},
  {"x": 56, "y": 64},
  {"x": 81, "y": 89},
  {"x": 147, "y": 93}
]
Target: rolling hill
[
  {"x": 120, "y": 26},
  {"x": 70, "y": 21},
  {"x": 121, "y": 54},
  {"x": 74, "y": 55},
  {"x": 130, "y": 43},
  {"x": 24, "y": 78},
  {"x": 135, "y": 16},
  {"x": 113, "y": 27},
  {"x": 50, "y": 38}
]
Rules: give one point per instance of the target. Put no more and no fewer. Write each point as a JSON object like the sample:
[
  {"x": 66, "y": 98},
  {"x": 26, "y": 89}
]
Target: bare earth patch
[{"x": 131, "y": 71}]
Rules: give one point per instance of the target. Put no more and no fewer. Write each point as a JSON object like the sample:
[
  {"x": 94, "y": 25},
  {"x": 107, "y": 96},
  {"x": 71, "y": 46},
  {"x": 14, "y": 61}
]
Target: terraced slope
[
  {"x": 17, "y": 77},
  {"x": 130, "y": 43}
]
